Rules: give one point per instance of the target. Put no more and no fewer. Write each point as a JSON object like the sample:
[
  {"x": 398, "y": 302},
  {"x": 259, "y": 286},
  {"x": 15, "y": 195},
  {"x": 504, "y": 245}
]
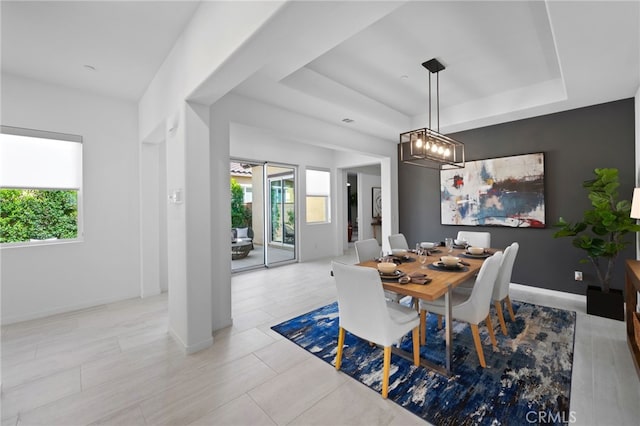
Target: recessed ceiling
[
  {"x": 504, "y": 61},
  {"x": 513, "y": 53}
]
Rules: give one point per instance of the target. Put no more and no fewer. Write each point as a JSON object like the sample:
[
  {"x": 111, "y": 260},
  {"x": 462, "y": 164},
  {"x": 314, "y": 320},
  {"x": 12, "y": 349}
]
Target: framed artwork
[
  {"x": 507, "y": 191},
  {"x": 376, "y": 202}
]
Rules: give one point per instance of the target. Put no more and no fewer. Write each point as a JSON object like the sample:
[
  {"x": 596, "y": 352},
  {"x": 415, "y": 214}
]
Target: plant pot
[{"x": 607, "y": 305}]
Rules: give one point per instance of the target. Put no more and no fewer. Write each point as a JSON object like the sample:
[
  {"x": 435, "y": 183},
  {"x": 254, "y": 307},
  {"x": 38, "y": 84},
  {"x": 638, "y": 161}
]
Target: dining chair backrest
[
  {"x": 501, "y": 288},
  {"x": 367, "y": 249},
  {"x": 361, "y": 304},
  {"x": 478, "y": 239},
  {"x": 398, "y": 241},
  {"x": 478, "y": 303}
]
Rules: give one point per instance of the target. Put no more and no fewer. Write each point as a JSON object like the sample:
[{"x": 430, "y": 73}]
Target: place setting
[
  {"x": 452, "y": 243},
  {"x": 389, "y": 271},
  {"x": 431, "y": 248},
  {"x": 401, "y": 255},
  {"x": 449, "y": 264},
  {"x": 476, "y": 253}
]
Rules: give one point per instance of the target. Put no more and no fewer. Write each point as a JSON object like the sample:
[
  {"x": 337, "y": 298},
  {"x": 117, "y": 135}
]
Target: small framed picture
[{"x": 376, "y": 202}]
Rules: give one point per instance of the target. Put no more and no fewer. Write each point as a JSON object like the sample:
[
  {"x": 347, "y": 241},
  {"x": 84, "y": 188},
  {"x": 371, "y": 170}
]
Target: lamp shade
[{"x": 635, "y": 204}]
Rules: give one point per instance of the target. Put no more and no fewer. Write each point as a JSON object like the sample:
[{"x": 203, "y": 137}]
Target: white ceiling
[
  {"x": 125, "y": 41},
  {"x": 361, "y": 60}
]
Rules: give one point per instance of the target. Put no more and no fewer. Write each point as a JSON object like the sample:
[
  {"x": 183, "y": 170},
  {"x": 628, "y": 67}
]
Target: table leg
[
  {"x": 447, "y": 330},
  {"x": 446, "y": 371}
]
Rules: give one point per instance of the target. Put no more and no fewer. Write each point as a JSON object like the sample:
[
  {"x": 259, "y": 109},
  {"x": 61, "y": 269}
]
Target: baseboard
[
  {"x": 191, "y": 349},
  {"x": 199, "y": 346},
  {"x": 148, "y": 294},
  {"x": 547, "y": 292},
  {"x": 65, "y": 309}
]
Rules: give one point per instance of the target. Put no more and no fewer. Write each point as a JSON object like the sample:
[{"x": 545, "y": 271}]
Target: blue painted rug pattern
[{"x": 529, "y": 372}]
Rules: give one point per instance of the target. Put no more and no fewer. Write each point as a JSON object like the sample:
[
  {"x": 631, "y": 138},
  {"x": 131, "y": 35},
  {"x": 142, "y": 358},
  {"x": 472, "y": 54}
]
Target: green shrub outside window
[{"x": 38, "y": 214}]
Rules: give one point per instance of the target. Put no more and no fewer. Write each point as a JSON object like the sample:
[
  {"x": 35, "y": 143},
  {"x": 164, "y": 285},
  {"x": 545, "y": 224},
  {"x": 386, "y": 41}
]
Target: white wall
[
  {"x": 273, "y": 134},
  {"x": 150, "y": 199},
  {"x": 314, "y": 240},
  {"x": 39, "y": 281}
]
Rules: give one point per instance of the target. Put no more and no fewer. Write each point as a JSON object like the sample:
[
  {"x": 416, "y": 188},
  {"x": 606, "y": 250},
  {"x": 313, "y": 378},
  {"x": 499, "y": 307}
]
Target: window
[
  {"x": 40, "y": 185},
  {"x": 318, "y": 196},
  {"x": 248, "y": 193}
]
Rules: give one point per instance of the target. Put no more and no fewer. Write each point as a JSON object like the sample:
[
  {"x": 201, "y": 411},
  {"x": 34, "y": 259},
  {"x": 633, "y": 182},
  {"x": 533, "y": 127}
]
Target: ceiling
[
  {"x": 357, "y": 60},
  {"x": 126, "y": 42}
]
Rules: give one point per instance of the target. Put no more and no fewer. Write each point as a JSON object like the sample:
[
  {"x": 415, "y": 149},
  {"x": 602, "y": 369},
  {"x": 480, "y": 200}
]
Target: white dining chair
[
  {"x": 473, "y": 308},
  {"x": 501, "y": 287},
  {"x": 398, "y": 241},
  {"x": 364, "y": 312},
  {"x": 368, "y": 250},
  {"x": 478, "y": 239}
]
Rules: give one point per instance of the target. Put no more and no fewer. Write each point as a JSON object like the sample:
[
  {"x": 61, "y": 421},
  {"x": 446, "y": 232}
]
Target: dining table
[{"x": 440, "y": 283}]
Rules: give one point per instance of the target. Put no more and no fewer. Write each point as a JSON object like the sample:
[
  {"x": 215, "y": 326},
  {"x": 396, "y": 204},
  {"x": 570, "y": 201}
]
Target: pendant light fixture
[{"x": 427, "y": 147}]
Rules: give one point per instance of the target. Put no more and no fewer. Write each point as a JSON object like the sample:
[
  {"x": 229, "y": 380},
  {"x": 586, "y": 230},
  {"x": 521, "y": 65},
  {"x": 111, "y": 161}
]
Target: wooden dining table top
[{"x": 440, "y": 279}]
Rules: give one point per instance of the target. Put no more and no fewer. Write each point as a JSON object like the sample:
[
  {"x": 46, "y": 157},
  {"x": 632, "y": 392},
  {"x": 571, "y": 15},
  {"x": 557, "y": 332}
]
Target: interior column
[{"x": 189, "y": 227}]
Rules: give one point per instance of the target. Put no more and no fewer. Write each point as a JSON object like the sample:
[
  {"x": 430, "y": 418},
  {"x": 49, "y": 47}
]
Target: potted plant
[{"x": 602, "y": 235}]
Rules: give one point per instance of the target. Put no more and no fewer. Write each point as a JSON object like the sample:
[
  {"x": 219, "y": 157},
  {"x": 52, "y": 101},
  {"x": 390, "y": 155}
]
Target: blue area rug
[{"x": 527, "y": 379}]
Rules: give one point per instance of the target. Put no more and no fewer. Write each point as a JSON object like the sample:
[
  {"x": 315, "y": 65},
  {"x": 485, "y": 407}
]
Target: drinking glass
[
  {"x": 422, "y": 257},
  {"x": 448, "y": 242}
]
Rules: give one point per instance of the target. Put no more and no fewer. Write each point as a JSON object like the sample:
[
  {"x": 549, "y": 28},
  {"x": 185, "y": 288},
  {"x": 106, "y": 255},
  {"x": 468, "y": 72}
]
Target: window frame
[
  {"x": 327, "y": 197},
  {"x": 66, "y": 137}
]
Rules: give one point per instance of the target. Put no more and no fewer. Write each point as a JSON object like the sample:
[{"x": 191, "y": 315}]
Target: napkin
[{"x": 418, "y": 278}]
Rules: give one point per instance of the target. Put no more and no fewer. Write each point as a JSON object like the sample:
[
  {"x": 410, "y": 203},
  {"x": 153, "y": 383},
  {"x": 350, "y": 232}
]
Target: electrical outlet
[{"x": 578, "y": 275}]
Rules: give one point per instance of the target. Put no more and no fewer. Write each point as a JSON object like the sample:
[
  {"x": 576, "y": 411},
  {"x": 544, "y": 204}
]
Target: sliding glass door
[
  {"x": 282, "y": 213},
  {"x": 263, "y": 214}
]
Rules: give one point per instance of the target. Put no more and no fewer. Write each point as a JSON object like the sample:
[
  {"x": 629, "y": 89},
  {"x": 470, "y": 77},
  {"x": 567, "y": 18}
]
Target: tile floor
[
  {"x": 256, "y": 257},
  {"x": 115, "y": 364}
]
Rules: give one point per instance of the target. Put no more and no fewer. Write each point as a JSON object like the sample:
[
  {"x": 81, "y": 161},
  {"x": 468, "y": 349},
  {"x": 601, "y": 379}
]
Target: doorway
[{"x": 352, "y": 207}]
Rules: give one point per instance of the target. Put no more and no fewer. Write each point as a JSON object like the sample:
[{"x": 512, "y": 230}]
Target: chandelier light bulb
[
  {"x": 434, "y": 148},
  {"x": 440, "y": 150},
  {"x": 447, "y": 152},
  {"x": 419, "y": 143}
]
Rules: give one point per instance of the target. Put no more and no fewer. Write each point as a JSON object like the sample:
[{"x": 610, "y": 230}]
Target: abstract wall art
[
  {"x": 376, "y": 202},
  {"x": 506, "y": 191}
]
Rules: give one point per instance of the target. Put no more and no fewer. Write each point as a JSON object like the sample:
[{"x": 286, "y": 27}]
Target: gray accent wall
[{"x": 574, "y": 143}]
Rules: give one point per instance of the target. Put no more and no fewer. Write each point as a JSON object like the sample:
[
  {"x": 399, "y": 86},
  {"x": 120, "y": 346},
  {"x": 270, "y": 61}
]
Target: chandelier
[{"x": 427, "y": 147}]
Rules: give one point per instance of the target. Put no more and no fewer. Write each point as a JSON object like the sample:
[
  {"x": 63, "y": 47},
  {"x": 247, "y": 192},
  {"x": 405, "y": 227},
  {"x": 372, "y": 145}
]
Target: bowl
[
  {"x": 475, "y": 250},
  {"x": 427, "y": 245},
  {"x": 460, "y": 242},
  {"x": 449, "y": 260},
  {"x": 387, "y": 267},
  {"x": 399, "y": 252}
]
